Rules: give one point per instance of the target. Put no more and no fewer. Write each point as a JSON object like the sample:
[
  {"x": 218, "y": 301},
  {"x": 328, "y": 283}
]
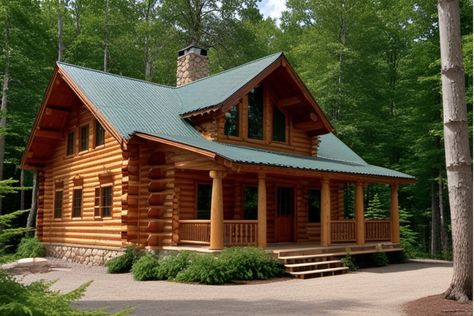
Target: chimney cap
[{"x": 193, "y": 48}]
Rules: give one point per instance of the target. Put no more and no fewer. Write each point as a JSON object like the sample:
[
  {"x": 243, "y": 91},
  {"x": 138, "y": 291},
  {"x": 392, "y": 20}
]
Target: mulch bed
[{"x": 436, "y": 305}]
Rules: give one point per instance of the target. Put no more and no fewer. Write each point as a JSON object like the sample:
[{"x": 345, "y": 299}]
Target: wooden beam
[
  {"x": 359, "y": 213},
  {"x": 394, "y": 214},
  {"x": 49, "y": 134},
  {"x": 262, "y": 211},
  {"x": 60, "y": 108},
  {"x": 217, "y": 211},
  {"x": 289, "y": 101},
  {"x": 325, "y": 213},
  {"x": 308, "y": 125}
]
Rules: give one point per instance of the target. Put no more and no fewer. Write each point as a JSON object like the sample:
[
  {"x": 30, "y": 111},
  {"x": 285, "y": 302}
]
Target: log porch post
[
  {"x": 325, "y": 213},
  {"x": 394, "y": 214},
  {"x": 262, "y": 211},
  {"x": 359, "y": 214},
  {"x": 217, "y": 211}
]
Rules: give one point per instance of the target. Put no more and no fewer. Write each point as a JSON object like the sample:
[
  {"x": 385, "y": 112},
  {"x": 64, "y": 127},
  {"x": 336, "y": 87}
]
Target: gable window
[
  {"x": 255, "y": 113},
  {"x": 58, "y": 203},
  {"x": 279, "y": 125},
  {"x": 103, "y": 200},
  {"x": 84, "y": 138},
  {"x": 250, "y": 202},
  {"x": 314, "y": 206},
  {"x": 99, "y": 134},
  {"x": 204, "y": 192},
  {"x": 231, "y": 127},
  {"x": 77, "y": 202},
  {"x": 70, "y": 144}
]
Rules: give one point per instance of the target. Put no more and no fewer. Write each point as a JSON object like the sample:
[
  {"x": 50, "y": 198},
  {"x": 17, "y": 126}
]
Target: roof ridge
[
  {"x": 115, "y": 75},
  {"x": 279, "y": 53}
]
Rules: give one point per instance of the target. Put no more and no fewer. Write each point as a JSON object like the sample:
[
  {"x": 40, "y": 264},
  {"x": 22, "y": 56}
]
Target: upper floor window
[
  {"x": 77, "y": 202},
  {"x": 204, "y": 192},
  {"x": 84, "y": 138},
  {"x": 255, "y": 113},
  {"x": 279, "y": 125},
  {"x": 231, "y": 127},
  {"x": 99, "y": 134},
  {"x": 70, "y": 144},
  {"x": 314, "y": 206}
]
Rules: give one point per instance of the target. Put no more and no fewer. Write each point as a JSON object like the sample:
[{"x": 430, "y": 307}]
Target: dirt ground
[{"x": 437, "y": 305}]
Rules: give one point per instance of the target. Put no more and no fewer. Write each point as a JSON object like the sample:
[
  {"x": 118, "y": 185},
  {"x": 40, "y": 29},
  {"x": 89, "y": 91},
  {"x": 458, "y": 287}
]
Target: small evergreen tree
[{"x": 375, "y": 210}]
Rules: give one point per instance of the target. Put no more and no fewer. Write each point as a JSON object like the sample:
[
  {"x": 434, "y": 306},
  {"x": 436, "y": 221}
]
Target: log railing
[
  {"x": 236, "y": 232},
  {"x": 240, "y": 232},
  {"x": 343, "y": 231},
  {"x": 377, "y": 230},
  {"x": 195, "y": 231}
]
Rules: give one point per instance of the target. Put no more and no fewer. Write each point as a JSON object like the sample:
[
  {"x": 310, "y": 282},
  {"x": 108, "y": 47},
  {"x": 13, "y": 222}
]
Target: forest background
[{"x": 372, "y": 65}]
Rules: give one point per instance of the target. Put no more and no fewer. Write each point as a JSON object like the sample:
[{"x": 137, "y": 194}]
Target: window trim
[{"x": 79, "y": 149}]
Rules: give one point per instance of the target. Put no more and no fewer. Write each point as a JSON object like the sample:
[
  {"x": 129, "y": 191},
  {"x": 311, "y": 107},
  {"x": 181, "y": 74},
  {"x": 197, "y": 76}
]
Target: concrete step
[
  {"x": 319, "y": 272},
  {"x": 310, "y": 264},
  {"x": 319, "y": 255}
]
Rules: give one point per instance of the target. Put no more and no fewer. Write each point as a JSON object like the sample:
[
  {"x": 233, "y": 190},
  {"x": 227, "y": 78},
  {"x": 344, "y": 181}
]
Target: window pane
[
  {"x": 231, "y": 127},
  {"x": 279, "y": 125},
  {"x": 99, "y": 134},
  {"x": 250, "y": 203},
  {"x": 204, "y": 192},
  {"x": 70, "y": 144},
  {"x": 285, "y": 201},
  {"x": 106, "y": 201},
  {"x": 97, "y": 202},
  {"x": 84, "y": 141},
  {"x": 314, "y": 206},
  {"x": 255, "y": 113},
  {"x": 58, "y": 204},
  {"x": 77, "y": 203}
]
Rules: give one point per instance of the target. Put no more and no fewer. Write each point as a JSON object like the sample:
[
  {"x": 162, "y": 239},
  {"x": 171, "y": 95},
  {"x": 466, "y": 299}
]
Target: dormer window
[
  {"x": 255, "y": 113},
  {"x": 279, "y": 125},
  {"x": 231, "y": 127}
]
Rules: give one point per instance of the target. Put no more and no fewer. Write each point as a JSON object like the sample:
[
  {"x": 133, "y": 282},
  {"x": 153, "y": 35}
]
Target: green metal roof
[{"x": 132, "y": 105}]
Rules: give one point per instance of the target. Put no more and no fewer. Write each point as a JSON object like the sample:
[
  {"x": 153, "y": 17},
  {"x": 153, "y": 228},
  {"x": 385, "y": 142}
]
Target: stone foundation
[{"x": 82, "y": 254}]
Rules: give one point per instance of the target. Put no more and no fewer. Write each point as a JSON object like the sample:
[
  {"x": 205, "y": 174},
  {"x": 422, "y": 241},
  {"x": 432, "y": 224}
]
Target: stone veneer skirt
[{"x": 82, "y": 254}]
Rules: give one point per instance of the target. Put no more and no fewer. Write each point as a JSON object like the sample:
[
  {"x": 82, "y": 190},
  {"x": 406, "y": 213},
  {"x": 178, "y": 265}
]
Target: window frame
[
  {"x": 96, "y": 125},
  {"x": 55, "y": 203},
  {"x": 264, "y": 105},
  {"x": 272, "y": 127},
  {"x": 196, "y": 213},
  {"x": 85, "y": 127},
  {"x": 70, "y": 147},
  {"x": 73, "y": 202},
  {"x": 307, "y": 205}
]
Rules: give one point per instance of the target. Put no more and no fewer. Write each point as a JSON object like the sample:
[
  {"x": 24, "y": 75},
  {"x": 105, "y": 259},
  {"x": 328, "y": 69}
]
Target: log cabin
[{"x": 242, "y": 157}]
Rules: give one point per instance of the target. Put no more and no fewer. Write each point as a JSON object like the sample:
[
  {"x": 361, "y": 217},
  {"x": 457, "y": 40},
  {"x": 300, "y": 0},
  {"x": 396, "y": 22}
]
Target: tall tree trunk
[
  {"x": 456, "y": 142},
  {"x": 22, "y": 191},
  {"x": 31, "y": 221},
  {"x": 442, "y": 217},
  {"x": 434, "y": 221},
  {"x": 60, "y": 30},
  {"x": 106, "y": 36},
  {"x": 4, "y": 104},
  {"x": 77, "y": 15}
]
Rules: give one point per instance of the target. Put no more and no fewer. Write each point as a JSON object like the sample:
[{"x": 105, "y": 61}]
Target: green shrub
[
  {"x": 145, "y": 268},
  {"x": 250, "y": 263},
  {"x": 347, "y": 261},
  {"x": 124, "y": 263},
  {"x": 171, "y": 266},
  {"x": 206, "y": 269},
  {"x": 379, "y": 259},
  {"x": 31, "y": 248},
  {"x": 37, "y": 299}
]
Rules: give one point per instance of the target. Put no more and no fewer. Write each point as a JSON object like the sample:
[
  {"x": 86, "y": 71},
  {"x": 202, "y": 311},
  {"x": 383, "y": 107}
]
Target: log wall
[{"x": 88, "y": 165}]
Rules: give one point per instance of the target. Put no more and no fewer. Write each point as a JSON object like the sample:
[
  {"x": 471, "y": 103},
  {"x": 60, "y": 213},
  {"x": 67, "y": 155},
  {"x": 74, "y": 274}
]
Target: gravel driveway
[{"x": 376, "y": 291}]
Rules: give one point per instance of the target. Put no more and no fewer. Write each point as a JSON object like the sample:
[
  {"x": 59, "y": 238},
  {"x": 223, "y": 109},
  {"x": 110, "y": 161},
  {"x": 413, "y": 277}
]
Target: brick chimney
[{"x": 192, "y": 65}]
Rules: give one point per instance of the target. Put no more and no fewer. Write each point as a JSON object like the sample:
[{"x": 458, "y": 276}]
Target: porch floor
[{"x": 301, "y": 248}]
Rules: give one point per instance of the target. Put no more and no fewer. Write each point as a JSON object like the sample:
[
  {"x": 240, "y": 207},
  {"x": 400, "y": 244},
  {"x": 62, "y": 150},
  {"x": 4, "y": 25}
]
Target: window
[
  {"x": 70, "y": 144},
  {"x": 99, "y": 134},
  {"x": 314, "y": 206},
  {"x": 231, "y": 127},
  {"x": 84, "y": 138},
  {"x": 106, "y": 201},
  {"x": 250, "y": 203},
  {"x": 58, "y": 204},
  {"x": 285, "y": 201},
  {"x": 255, "y": 113},
  {"x": 279, "y": 125},
  {"x": 77, "y": 203},
  {"x": 97, "y": 202},
  {"x": 204, "y": 192}
]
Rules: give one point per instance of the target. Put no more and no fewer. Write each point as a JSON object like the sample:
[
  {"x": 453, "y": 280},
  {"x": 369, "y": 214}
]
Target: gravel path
[{"x": 376, "y": 291}]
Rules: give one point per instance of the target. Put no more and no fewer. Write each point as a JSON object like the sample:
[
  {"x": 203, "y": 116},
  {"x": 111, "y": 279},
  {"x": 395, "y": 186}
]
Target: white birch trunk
[{"x": 456, "y": 143}]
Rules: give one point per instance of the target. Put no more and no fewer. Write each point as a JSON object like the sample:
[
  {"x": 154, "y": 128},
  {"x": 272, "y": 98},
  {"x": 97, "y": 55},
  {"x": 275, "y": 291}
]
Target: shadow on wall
[{"x": 226, "y": 306}]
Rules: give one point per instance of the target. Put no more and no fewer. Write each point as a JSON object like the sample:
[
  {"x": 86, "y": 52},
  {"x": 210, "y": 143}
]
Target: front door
[{"x": 285, "y": 210}]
